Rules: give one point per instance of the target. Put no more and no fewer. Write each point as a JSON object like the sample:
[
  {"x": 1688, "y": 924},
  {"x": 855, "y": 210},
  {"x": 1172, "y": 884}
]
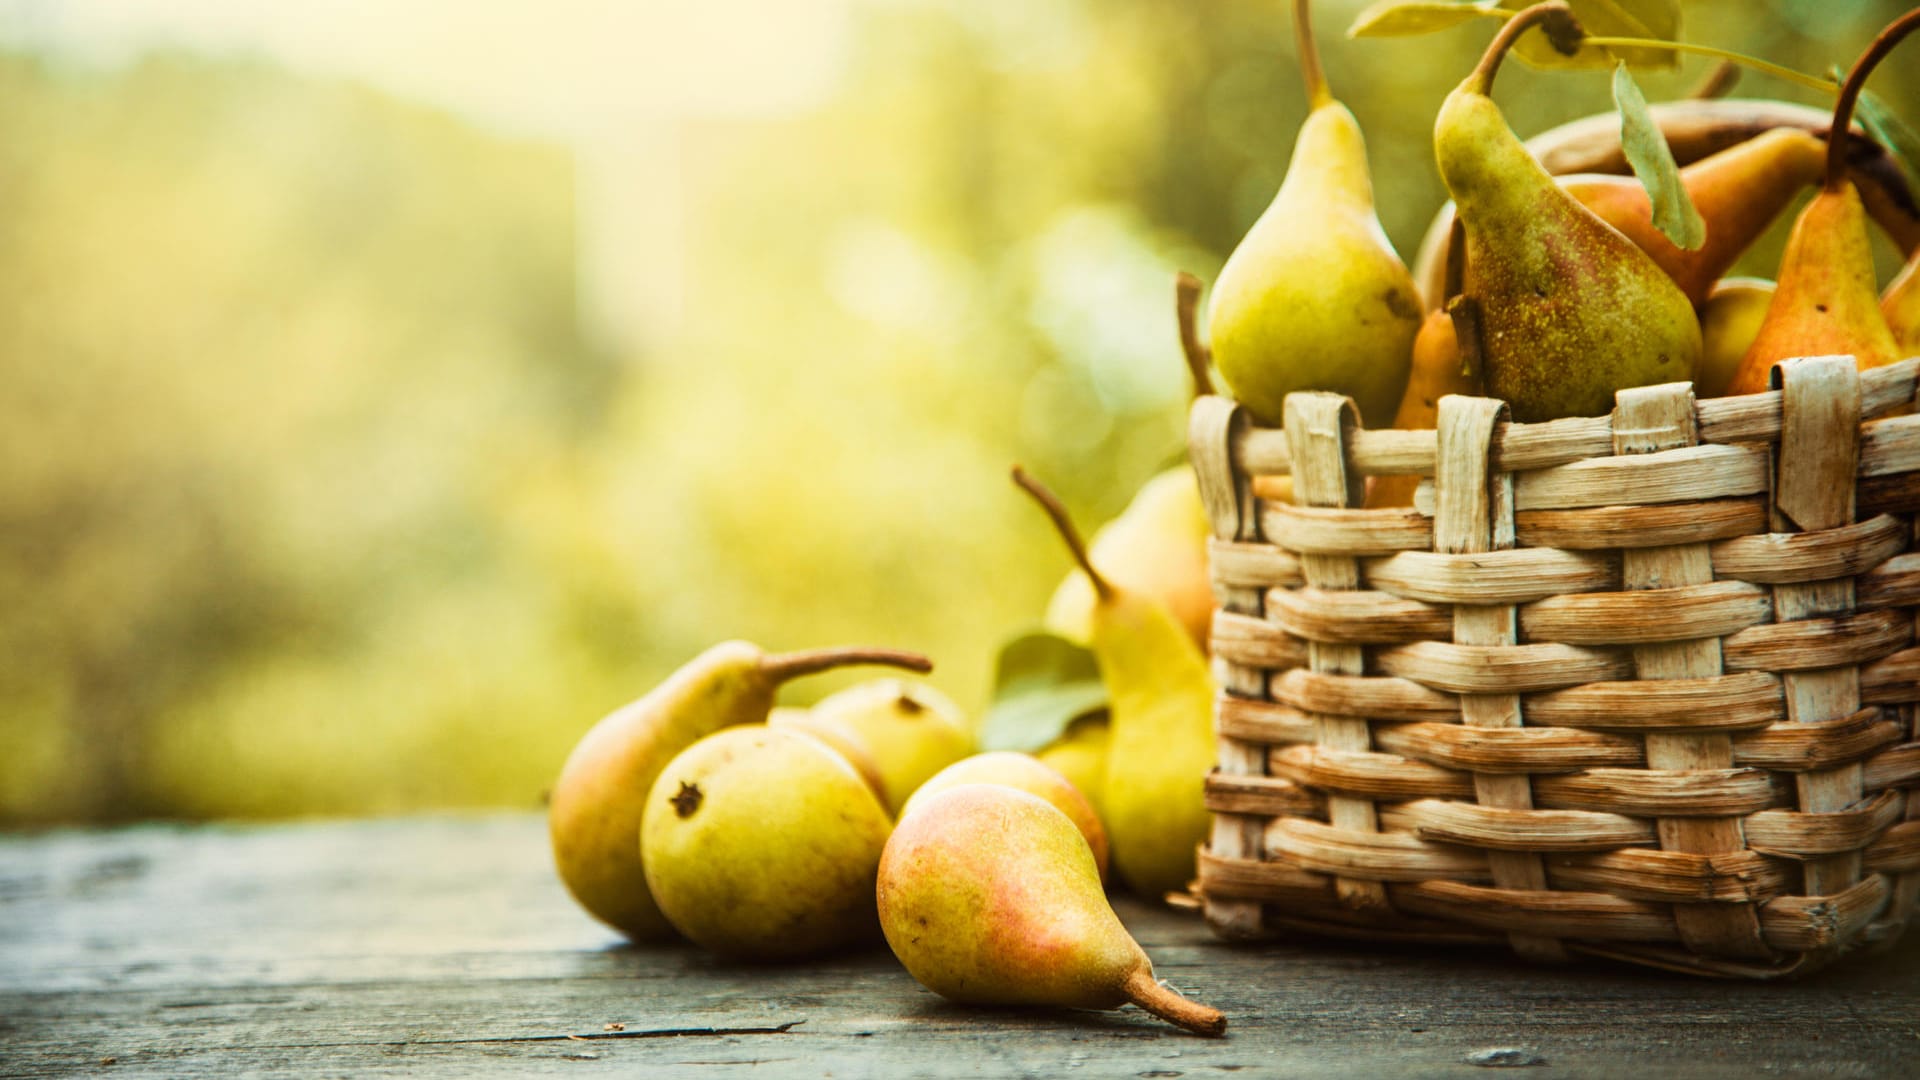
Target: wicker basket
[{"x": 1636, "y": 686}]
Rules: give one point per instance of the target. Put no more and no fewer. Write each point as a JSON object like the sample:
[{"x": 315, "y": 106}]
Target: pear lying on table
[{"x": 1029, "y": 774}]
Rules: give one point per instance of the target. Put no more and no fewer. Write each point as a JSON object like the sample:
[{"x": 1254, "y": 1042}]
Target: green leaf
[
  {"x": 1404, "y": 18},
  {"x": 1887, "y": 129},
  {"x": 1041, "y": 683},
  {"x": 1647, "y": 151},
  {"x": 1656, "y": 19}
]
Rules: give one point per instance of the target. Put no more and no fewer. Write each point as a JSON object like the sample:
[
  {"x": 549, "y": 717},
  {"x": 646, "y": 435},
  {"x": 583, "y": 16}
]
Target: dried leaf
[
  {"x": 1647, "y": 151},
  {"x": 1655, "y": 19},
  {"x": 1041, "y": 683},
  {"x": 1405, "y": 18},
  {"x": 1887, "y": 129}
]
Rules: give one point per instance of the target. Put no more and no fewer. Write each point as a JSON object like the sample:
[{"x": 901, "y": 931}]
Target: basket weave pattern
[{"x": 1638, "y": 686}]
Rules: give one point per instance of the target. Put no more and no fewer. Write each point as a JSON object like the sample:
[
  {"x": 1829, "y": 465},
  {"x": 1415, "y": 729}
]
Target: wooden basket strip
[
  {"x": 1327, "y": 531},
  {"x": 1536, "y": 750},
  {"x": 1256, "y": 720},
  {"x": 1612, "y": 527},
  {"x": 1897, "y": 850},
  {"x": 1743, "y": 701},
  {"x": 1820, "y": 412},
  {"x": 1366, "y": 774},
  {"x": 1894, "y": 583},
  {"x": 1708, "y": 610},
  {"x": 1756, "y": 417},
  {"x": 1493, "y": 669},
  {"x": 1496, "y": 577},
  {"x": 1258, "y": 566},
  {"x": 1689, "y": 474},
  {"x": 1647, "y": 874},
  {"x": 1896, "y": 494},
  {"x": 1373, "y": 856},
  {"x": 1235, "y": 551},
  {"x": 1362, "y": 696},
  {"x": 1250, "y": 642},
  {"x": 1664, "y": 793},
  {"x": 1815, "y": 835},
  {"x": 1504, "y": 829},
  {"x": 1830, "y": 641},
  {"x": 1360, "y": 616},
  {"x": 1891, "y": 680},
  {"x": 1820, "y": 923},
  {"x": 1406, "y": 931},
  {"x": 1897, "y": 767},
  {"x": 1580, "y": 915},
  {"x": 1317, "y": 427},
  {"x": 1263, "y": 796},
  {"x": 1256, "y": 880},
  {"x": 1818, "y": 744},
  {"x": 1890, "y": 446},
  {"x": 1837, "y": 552}
]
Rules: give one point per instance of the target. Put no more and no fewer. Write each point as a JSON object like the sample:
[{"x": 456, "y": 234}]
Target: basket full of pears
[{"x": 1567, "y": 590}]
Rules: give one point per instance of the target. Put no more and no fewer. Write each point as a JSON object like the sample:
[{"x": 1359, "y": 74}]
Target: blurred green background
[{"x": 389, "y": 390}]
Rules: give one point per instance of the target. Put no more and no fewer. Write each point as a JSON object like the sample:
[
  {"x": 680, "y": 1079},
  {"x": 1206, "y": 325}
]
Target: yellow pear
[
  {"x": 763, "y": 844},
  {"x": 593, "y": 813},
  {"x": 1157, "y": 546},
  {"x": 841, "y": 738},
  {"x": 1080, "y": 755},
  {"x": 1029, "y": 774},
  {"x": 909, "y": 729},
  {"x": 1729, "y": 321}
]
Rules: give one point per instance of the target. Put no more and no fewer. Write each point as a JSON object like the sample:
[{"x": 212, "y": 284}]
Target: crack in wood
[{"x": 592, "y": 1036}]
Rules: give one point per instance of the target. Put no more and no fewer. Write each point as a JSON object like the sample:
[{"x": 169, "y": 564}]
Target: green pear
[
  {"x": 843, "y": 739},
  {"x": 1157, "y": 546},
  {"x": 762, "y": 844},
  {"x": 1080, "y": 755},
  {"x": 1569, "y": 309},
  {"x": 1029, "y": 774},
  {"x": 1314, "y": 297},
  {"x": 1729, "y": 321},
  {"x": 910, "y": 730},
  {"x": 989, "y": 895},
  {"x": 1160, "y": 714},
  {"x": 593, "y": 812}
]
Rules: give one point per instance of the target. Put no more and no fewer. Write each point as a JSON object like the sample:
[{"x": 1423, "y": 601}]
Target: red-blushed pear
[
  {"x": 1160, "y": 720},
  {"x": 593, "y": 814},
  {"x": 1826, "y": 301},
  {"x": 989, "y": 896},
  {"x": 1029, "y": 774}
]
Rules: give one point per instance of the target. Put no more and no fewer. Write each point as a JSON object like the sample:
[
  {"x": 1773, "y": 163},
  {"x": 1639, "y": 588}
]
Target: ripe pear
[
  {"x": 990, "y": 896},
  {"x": 1827, "y": 300},
  {"x": 593, "y": 813},
  {"x": 1438, "y": 370},
  {"x": 1315, "y": 297},
  {"x": 1157, "y": 546},
  {"x": 1729, "y": 321},
  {"x": 1160, "y": 712},
  {"x": 763, "y": 844},
  {"x": 842, "y": 739},
  {"x": 1570, "y": 310},
  {"x": 1029, "y": 774},
  {"x": 909, "y": 729},
  {"x": 1080, "y": 755},
  {"x": 1900, "y": 306}
]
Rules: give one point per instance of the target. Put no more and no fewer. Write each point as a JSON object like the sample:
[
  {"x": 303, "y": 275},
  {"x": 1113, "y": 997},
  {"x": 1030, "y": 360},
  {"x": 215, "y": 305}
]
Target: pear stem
[
  {"x": 783, "y": 666},
  {"x": 1051, "y": 504},
  {"x": 1186, "y": 304},
  {"x": 1318, "y": 93},
  {"x": 1146, "y": 991},
  {"x": 1856, "y": 80},
  {"x": 1481, "y": 79}
]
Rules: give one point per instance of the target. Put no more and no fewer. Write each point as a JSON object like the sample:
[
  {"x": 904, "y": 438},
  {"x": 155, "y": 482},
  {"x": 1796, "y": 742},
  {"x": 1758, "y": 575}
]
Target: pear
[
  {"x": 1080, "y": 755},
  {"x": 763, "y": 844},
  {"x": 1157, "y": 546},
  {"x": 1438, "y": 370},
  {"x": 1570, "y": 310},
  {"x": 1314, "y": 297},
  {"x": 1029, "y": 774},
  {"x": 594, "y": 809},
  {"x": 1827, "y": 300},
  {"x": 837, "y": 735},
  {"x": 1729, "y": 321},
  {"x": 1160, "y": 712},
  {"x": 990, "y": 896},
  {"x": 1900, "y": 306},
  {"x": 909, "y": 730}
]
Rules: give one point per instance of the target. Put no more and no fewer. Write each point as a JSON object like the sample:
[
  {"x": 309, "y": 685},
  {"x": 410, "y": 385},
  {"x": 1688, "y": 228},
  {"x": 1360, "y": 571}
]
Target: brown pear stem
[
  {"x": 1883, "y": 44},
  {"x": 1481, "y": 80},
  {"x": 1146, "y": 991},
  {"x": 783, "y": 666},
  {"x": 1318, "y": 93},
  {"x": 1064, "y": 525},
  {"x": 1186, "y": 305}
]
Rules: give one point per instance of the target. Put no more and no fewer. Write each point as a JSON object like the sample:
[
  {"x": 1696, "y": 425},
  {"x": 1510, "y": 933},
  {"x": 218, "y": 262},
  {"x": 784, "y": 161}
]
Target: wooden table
[{"x": 445, "y": 946}]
